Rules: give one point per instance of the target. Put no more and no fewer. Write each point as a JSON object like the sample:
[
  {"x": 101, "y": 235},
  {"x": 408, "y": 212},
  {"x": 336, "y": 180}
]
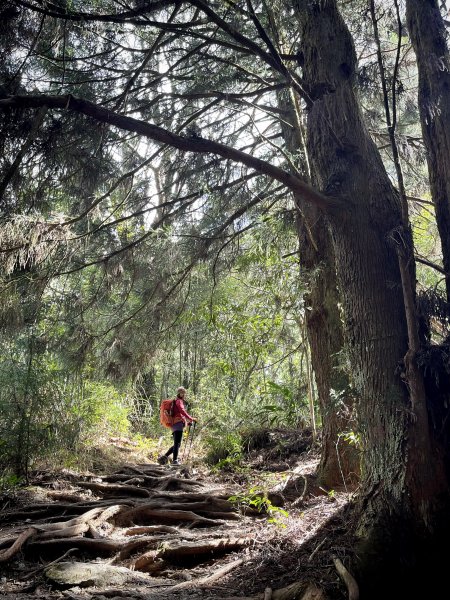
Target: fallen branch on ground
[
  {"x": 54, "y": 562},
  {"x": 210, "y": 578}
]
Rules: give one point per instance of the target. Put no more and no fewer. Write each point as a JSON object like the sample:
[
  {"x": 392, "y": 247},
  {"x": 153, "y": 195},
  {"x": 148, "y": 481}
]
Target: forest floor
[{"x": 145, "y": 531}]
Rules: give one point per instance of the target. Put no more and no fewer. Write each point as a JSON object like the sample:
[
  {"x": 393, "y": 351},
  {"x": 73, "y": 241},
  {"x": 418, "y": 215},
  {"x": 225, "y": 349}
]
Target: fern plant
[{"x": 258, "y": 501}]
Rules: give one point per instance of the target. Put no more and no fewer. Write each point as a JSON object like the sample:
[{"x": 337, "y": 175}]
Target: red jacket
[{"x": 179, "y": 412}]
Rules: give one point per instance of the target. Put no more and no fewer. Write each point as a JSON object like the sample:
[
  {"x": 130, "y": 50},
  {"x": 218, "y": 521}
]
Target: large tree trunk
[
  {"x": 428, "y": 35},
  {"x": 339, "y": 461},
  {"x": 403, "y": 486}
]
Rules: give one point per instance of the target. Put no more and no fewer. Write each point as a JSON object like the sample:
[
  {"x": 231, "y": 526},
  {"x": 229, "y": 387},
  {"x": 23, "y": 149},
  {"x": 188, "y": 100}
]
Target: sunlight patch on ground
[{"x": 302, "y": 525}]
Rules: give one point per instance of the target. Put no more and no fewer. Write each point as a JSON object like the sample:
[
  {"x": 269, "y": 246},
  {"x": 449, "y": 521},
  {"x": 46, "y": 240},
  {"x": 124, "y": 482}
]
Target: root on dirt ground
[{"x": 148, "y": 531}]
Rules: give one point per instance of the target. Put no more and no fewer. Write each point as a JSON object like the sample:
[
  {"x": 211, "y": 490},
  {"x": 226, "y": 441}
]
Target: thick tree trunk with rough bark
[
  {"x": 429, "y": 38},
  {"x": 339, "y": 461},
  {"x": 403, "y": 486}
]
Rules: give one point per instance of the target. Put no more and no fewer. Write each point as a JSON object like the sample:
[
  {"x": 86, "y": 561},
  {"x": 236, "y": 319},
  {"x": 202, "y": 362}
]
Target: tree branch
[
  {"x": 53, "y": 10},
  {"x": 39, "y": 118},
  {"x": 430, "y": 264},
  {"x": 187, "y": 144}
]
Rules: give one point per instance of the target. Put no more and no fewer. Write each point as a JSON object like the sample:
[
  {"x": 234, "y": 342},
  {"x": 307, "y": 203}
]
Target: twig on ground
[
  {"x": 210, "y": 578},
  {"x": 313, "y": 553},
  {"x": 300, "y": 498}
]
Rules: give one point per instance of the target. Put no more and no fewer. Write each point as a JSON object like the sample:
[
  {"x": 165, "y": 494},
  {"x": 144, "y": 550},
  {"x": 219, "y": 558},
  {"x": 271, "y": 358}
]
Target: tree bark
[
  {"x": 339, "y": 462},
  {"x": 429, "y": 38},
  {"x": 403, "y": 485}
]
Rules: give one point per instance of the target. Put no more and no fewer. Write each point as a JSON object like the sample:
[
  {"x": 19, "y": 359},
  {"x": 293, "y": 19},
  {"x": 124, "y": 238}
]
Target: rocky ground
[{"x": 147, "y": 531}]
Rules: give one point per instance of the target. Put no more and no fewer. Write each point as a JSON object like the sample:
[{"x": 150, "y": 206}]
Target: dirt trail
[{"x": 148, "y": 531}]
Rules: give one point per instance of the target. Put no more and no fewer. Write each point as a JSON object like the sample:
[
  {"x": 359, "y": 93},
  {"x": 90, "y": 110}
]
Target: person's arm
[{"x": 183, "y": 412}]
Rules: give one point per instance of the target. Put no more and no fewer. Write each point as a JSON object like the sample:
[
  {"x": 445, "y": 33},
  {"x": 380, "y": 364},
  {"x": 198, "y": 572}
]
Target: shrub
[
  {"x": 223, "y": 449},
  {"x": 46, "y": 414}
]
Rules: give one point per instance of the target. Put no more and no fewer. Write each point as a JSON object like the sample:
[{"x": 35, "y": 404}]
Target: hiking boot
[
  {"x": 163, "y": 460},
  {"x": 176, "y": 462}
]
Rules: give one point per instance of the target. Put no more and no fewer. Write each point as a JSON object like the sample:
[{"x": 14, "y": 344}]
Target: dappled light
[{"x": 144, "y": 525}]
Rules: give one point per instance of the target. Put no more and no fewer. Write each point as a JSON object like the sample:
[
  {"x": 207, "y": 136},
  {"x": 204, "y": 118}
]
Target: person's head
[{"x": 181, "y": 392}]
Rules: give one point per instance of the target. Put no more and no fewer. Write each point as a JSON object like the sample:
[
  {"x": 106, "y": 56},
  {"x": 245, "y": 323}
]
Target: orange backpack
[{"x": 166, "y": 412}]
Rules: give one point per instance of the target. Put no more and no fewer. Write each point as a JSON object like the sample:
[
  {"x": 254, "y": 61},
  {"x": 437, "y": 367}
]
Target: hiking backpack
[{"x": 166, "y": 412}]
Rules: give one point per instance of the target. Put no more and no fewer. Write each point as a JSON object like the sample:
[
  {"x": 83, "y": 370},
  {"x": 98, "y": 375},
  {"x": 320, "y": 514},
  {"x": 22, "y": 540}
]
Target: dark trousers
[{"x": 177, "y": 437}]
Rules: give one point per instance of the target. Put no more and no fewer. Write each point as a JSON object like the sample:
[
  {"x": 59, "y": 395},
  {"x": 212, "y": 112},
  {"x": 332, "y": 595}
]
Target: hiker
[{"x": 179, "y": 419}]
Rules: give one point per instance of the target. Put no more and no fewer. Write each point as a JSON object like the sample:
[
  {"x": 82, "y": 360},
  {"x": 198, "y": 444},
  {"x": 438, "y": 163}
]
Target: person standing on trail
[{"x": 180, "y": 418}]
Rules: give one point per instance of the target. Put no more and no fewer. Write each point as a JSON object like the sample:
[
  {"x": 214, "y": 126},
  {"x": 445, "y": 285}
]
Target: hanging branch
[
  {"x": 38, "y": 120},
  {"x": 187, "y": 144},
  {"x": 391, "y": 122},
  {"x": 51, "y": 9}
]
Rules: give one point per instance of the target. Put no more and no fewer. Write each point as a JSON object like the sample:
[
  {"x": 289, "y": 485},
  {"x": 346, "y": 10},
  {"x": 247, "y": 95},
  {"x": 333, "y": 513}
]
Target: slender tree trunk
[
  {"x": 429, "y": 38},
  {"x": 403, "y": 485},
  {"x": 311, "y": 399},
  {"x": 339, "y": 461},
  {"x": 186, "y": 372}
]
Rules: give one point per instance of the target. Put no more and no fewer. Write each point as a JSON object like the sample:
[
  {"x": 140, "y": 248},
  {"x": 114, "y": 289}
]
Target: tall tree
[
  {"x": 429, "y": 38},
  {"x": 403, "y": 479},
  {"x": 339, "y": 462}
]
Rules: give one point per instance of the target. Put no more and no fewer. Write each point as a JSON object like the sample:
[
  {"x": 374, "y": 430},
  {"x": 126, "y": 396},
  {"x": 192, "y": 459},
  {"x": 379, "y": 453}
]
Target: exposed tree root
[
  {"x": 84, "y": 518},
  {"x": 145, "y": 514},
  {"x": 67, "y": 532},
  {"x": 177, "y": 552},
  {"x": 349, "y": 580},
  {"x": 198, "y": 503},
  {"x": 20, "y": 541},
  {"x": 150, "y": 481},
  {"x": 78, "y": 525},
  {"x": 299, "y": 590},
  {"x": 148, "y": 563},
  {"x": 141, "y": 504},
  {"x": 152, "y": 561},
  {"x": 115, "y": 490},
  {"x": 65, "y": 496},
  {"x": 48, "y": 510},
  {"x": 149, "y": 529},
  {"x": 97, "y": 547}
]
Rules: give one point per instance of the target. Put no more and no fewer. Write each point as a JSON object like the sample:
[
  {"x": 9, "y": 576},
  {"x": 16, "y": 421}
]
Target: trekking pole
[
  {"x": 192, "y": 433},
  {"x": 186, "y": 442},
  {"x": 192, "y": 428}
]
